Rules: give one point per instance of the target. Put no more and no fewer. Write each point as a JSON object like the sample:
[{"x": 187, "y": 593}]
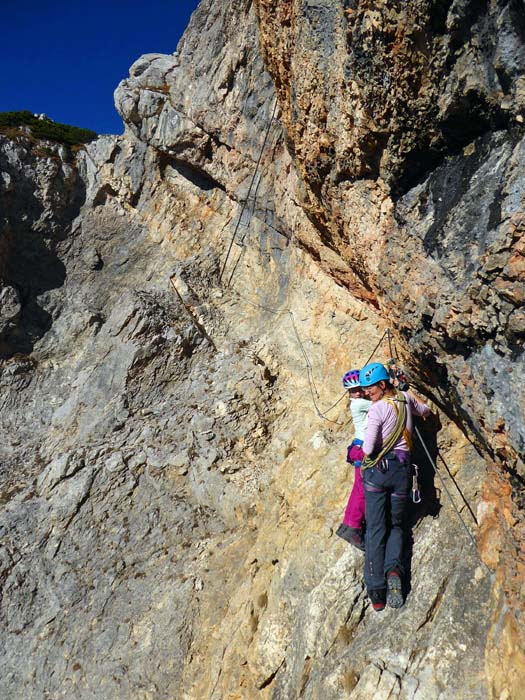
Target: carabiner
[
  {"x": 416, "y": 493},
  {"x": 416, "y": 496}
]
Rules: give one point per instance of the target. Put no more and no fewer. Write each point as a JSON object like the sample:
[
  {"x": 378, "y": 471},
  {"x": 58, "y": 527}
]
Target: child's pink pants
[{"x": 355, "y": 509}]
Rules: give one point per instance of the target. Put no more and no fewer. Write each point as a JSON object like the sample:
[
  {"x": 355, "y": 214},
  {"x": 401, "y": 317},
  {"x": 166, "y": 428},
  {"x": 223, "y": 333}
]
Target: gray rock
[
  {"x": 10, "y": 306},
  {"x": 166, "y": 523}
]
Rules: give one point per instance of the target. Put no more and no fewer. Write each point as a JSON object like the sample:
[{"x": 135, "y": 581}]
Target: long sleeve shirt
[
  {"x": 359, "y": 409},
  {"x": 382, "y": 419}
]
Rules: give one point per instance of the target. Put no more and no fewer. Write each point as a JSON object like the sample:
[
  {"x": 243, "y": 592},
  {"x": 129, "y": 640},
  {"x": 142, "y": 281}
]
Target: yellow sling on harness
[{"x": 399, "y": 429}]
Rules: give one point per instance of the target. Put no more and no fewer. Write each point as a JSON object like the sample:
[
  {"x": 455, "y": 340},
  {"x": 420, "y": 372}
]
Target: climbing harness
[
  {"x": 416, "y": 494},
  {"x": 394, "y": 436},
  {"x": 401, "y": 413}
]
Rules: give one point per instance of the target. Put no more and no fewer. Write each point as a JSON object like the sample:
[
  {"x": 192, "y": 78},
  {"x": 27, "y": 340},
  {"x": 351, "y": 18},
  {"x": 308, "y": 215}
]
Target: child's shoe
[{"x": 352, "y": 535}]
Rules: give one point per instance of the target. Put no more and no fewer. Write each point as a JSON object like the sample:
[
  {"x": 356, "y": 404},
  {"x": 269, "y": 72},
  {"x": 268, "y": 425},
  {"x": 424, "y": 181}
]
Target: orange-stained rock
[{"x": 173, "y": 463}]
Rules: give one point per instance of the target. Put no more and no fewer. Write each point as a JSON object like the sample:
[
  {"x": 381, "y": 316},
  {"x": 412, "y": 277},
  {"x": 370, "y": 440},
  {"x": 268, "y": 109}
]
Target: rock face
[
  {"x": 417, "y": 109},
  {"x": 41, "y": 196},
  {"x": 172, "y": 471}
]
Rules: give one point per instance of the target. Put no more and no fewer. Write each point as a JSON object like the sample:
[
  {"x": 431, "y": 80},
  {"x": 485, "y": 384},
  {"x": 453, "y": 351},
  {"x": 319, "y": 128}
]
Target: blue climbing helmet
[
  {"x": 373, "y": 373},
  {"x": 351, "y": 379}
]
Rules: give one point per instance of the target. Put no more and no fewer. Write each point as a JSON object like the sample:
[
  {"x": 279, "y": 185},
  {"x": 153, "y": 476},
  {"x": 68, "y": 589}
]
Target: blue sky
[{"x": 66, "y": 58}]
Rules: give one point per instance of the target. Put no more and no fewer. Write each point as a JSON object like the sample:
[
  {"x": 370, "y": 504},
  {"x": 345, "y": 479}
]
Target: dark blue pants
[{"x": 386, "y": 496}]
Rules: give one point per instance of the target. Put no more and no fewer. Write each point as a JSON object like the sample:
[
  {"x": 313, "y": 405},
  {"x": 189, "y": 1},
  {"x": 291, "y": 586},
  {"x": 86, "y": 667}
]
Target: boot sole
[{"x": 394, "y": 593}]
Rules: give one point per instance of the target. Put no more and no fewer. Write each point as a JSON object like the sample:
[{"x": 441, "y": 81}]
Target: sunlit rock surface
[{"x": 169, "y": 489}]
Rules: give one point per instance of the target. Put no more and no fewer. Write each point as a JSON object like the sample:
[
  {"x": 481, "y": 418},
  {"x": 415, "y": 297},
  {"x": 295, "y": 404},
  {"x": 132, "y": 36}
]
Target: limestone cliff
[{"x": 172, "y": 471}]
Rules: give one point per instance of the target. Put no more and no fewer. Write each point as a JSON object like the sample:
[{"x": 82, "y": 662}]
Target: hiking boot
[
  {"x": 377, "y": 598},
  {"x": 394, "y": 592},
  {"x": 352, "y": 535}
]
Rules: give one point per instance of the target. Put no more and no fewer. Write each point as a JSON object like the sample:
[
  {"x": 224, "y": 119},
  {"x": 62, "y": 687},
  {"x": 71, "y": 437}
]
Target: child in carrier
[{"x": 351, "y": 529}]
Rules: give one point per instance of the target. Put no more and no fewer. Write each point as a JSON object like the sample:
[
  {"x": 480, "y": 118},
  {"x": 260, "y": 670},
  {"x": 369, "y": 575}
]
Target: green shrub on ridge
[{"x": 46, "y": 128}]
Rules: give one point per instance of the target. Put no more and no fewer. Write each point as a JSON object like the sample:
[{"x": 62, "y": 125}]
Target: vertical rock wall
[
  {"x": 169, "y": 488},
  {"x": 406, "y": 125}
]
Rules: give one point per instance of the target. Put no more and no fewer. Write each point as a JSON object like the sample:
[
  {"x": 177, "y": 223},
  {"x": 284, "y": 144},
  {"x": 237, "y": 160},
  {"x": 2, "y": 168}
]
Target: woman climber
[
  {"x": 351, "y": 529},
  {"x": 386, "y": 473}
]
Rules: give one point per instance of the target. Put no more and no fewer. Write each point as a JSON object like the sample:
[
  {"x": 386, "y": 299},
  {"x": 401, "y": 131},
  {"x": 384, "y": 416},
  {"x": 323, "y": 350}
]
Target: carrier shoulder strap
[
  {"x": 394, "y": 436},
  {"x": 406, "y": 434}
]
